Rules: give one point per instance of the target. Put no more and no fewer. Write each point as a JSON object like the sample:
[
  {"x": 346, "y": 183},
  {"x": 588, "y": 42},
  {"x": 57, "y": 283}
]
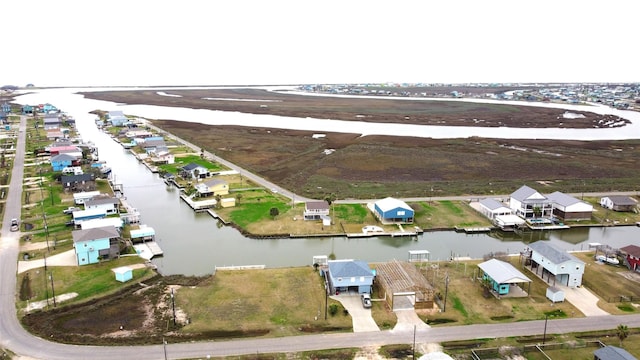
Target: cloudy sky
[{"x": 140, "y": 42}]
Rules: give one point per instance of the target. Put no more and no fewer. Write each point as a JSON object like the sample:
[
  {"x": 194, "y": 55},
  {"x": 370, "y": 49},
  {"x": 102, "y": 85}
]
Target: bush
[{"x": 333, "y": 309}]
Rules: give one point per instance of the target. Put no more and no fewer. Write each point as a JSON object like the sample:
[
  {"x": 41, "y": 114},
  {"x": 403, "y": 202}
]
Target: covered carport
[{"x": 403, "y": 286}]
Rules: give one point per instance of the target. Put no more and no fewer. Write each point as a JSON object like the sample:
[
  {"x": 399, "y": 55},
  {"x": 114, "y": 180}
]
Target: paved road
[{"x": 16, "y": 339}]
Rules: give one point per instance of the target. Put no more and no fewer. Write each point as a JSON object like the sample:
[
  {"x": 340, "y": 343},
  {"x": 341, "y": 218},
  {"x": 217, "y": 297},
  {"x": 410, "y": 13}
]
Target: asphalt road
[{"x": 16, "y": 339}]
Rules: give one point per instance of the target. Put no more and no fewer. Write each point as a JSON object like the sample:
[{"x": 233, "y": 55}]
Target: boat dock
[
  {"x": 474, "y": 230},
  {"x": 216, "y": 216},
  {"x": 148, "y": 250},
  {"x": 202, "y": 205}
]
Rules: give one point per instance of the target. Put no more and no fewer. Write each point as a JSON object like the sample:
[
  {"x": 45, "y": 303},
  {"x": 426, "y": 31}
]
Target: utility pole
[
  {"x": 446, "y": 290},
  {"x": 544, "y": 336},
  {"x": 173, "y": 305},
  {"x": 53, "y": 292},
  {"x": 413, "y": 349},
  {"x": 326, "y": 298}
]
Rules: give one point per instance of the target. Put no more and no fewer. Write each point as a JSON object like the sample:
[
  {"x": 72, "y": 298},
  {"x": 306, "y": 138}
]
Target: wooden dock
[
  {"x": 202, "y": 205},
  {"x": 474, "y": 230},
  {"x": 148, "y": 250},
  {"x": 216, "y": 216}
]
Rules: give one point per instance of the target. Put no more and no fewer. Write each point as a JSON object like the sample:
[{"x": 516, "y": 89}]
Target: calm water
[{"x": 195, "y": 243}]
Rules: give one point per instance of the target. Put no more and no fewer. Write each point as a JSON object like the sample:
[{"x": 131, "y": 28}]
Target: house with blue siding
[
  {"x": 59, "y": 162},
  {"x": 503, "y": 277},
  {"x": 555, "y": 265},
  {"x": 96, "y": 244},
  {"x": 393, "y": 211},
  {"x": 346, "y": 276}
]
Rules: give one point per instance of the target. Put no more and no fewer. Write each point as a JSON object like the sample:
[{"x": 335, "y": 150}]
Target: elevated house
[
  {"x": 566, "y": 207},
  {"x": 82, "y": 182},
  {"x": 93, "y": 245},
  {"x": 65, "y": 149},
  {"x": 393, "y": 211},
  {"x": 316, "y": 210},
  {"x": 530, "y": 204},
  {"x": 61, "y": 161},
  {"x": 504, "y": 278},
  {"x": 555, "y": 265},
  {"x": 194, "y": 171},
  {"x": 346, "y": 276},
  {"x": 109, "y": 205},
  {"x": 52, "y": 121},
  {"x": 213, "y": 187},
  {"x": 632, "y": 257},
  {"x": 618, "y": 203}
]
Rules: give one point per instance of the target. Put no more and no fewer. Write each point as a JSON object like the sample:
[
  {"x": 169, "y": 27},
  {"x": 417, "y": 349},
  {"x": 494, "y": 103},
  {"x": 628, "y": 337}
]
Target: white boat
[{"x": 611, "y": 260}]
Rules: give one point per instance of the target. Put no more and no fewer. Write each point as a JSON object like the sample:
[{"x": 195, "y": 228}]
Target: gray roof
[
  {"x": 621, "y": 200},
  {"x": 317, "y": 205},
  {"x": 523, "y": 193},
  {"x": 101, "y": 201},
  {"x": 76, "y": 178},
  {"x": 214, "y": 182},
  {"x": 191, "y": 166},
  {"x": 63, "y": 157},
  {"x": 502, "y": 272},
  {"x": 104, "y": 232},
  {"x": 552, "y": 253},
  {"x": 613, "y": 353},
  {"x": 492, "y": 204},
  {"x": 349, "y": 268},
  {"x": 562, "y": 199}
]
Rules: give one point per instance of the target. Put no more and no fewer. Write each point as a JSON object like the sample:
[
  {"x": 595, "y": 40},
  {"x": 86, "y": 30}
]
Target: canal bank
[{"x": 195, "y": 243}]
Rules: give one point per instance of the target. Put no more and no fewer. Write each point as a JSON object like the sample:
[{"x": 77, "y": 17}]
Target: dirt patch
[
  {"x": 629, "y": 275},
  {"x": 408, "y": 167}
]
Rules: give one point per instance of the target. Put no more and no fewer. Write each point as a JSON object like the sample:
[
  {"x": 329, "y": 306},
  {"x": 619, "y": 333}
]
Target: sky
[{"x": 263, "y": 42}]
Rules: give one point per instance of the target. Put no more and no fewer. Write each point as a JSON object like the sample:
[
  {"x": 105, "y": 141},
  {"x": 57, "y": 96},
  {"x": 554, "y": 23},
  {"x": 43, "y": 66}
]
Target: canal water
[{"x": 194, "y": 244}]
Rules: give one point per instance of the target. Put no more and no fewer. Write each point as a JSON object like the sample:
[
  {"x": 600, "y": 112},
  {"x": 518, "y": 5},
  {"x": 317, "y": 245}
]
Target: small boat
[
  {"x": 611, "y": 260},
  {"x": 105, "y": 170}
]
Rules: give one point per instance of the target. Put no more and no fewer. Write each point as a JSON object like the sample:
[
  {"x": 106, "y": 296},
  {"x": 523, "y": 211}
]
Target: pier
[
  {"x": 148, "y": 250},
  {"x": 201, "y": 205}
]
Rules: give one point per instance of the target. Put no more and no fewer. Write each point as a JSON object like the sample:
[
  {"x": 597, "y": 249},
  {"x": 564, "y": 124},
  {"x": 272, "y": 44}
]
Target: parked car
[
  {"x": 15, "y": 225},
  {"x": 366, "y": 300}
]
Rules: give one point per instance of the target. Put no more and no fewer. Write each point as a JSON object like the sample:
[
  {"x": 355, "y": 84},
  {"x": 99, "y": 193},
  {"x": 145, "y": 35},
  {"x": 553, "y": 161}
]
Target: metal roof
[
  {"x": 493, "y": 204},
  {"x": 552, "y": 253},
  {"x": 523, "y": 193},
  {"x": 391, "y": 203},
  {"x": 502, "y": 272},
  {"x": 613, "y": 353},
  {"x": 562, "y": 199},
  {"x": 349, "y": 268},
  {"x": 105, "y": 232}
]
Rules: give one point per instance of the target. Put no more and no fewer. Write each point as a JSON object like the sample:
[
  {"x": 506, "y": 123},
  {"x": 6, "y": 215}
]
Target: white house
[
  {"x": 529, "y": 204},
  {"x": 81, "y": 197},
  {"x": 492, "y": 208},
  {"x": 315, "y": 210},
  {"x": 108, "y": 204},
  {"x": 618, "y": 203},
  {"x": 555, "y": 265},
  {"x": 567, "y": 207}
]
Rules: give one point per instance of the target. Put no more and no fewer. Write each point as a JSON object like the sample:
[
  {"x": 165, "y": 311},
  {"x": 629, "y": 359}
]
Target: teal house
[
  {"x": 93, "y": 245},
  {"x": 504, "y": 278},
  {"x": 61, "y": 161}
]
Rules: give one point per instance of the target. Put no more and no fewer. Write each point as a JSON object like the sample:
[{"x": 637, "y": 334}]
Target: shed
[
  {"x": 504, "y": 277},
  {"x": 123, "y": 273},
  {"x": 555, "y": 294},
  {"x": 612, "y": 353}
]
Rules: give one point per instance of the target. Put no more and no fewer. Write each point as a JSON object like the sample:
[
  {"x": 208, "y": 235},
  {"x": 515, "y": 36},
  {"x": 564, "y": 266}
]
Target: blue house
[
  {"x": 27, "y": 109},
  {"x": 346, "y": 276},
  {"x": 92, "y": 245},
  {"x": 6, "y": 108},
  {"x": 390, "y": 210},
  {"x": 503, "y": 277},
  {"x": 62, "y": 161}
]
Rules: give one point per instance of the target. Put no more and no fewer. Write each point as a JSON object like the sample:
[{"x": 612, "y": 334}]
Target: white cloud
[{"x": 146, "y": 42}]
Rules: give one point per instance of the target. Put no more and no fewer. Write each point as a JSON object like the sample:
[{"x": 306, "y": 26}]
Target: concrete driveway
[
  {"x": 407, "y": 319},
  {"x": 361, "y": 317},
  {"x": 67, "y": 258},
  {"x": 583, "y": 299}
]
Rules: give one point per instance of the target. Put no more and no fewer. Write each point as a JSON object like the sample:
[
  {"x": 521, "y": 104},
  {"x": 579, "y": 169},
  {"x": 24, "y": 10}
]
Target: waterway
[{"x": 194, "y": 244}]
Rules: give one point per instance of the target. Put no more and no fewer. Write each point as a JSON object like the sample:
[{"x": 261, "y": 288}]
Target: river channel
[{"x": 194, "y": 244}]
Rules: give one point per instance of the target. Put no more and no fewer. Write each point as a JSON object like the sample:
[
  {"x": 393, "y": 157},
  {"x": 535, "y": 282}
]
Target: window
[
  {"x": 361, "y": 278},
  {"x": 353, "y": 279},
  {"x": 401, "y": 213}
]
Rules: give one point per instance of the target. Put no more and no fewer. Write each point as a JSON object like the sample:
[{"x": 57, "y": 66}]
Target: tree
[
  {"x": 537, "y": 211},
  {"x": 330, "y": 199},
  {"x": 623, "y": 332},
  {"x": 238, "y": 197},
  {"x": 218, "y": 201},
  {"x": 202, "y": 153},
  {"x": 274, "y": 212},
  {"x": 486, "y": 286}
]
